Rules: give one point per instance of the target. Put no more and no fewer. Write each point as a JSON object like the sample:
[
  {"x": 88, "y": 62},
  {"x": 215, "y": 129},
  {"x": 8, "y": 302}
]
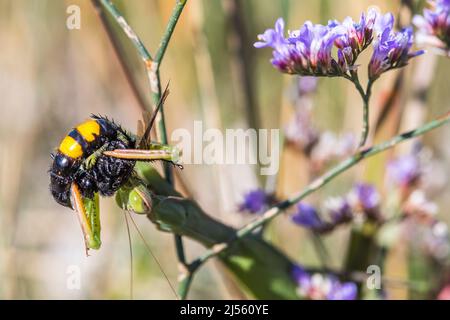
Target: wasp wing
[{"x": 145, "y": 141}]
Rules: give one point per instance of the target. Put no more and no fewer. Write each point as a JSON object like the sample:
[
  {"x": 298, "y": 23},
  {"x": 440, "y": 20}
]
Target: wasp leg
[
  {"x": 91, "y": 239},
  {"x": 90, "y": 161},
  {"x": 123, "y": 137}
]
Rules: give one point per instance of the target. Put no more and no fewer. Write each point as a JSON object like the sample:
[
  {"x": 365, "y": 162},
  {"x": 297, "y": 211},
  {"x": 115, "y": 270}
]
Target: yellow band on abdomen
[
  {"x": 71, "y": 148},
  {"x": 89, "y": 130}
]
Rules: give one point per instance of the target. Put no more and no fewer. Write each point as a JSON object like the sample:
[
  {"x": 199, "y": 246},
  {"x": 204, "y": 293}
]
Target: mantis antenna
[
  {"x": 131, "y": 253},
  {"x": 149, "y": 250}
]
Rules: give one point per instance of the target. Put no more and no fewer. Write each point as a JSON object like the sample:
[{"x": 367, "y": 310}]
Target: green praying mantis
[
  {"x": 145, "y": 192},
  {"x": 138, "y": 199}
]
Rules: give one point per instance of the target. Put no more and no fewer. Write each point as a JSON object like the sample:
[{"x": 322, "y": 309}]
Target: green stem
[
  {"x": 366, "y": 120},
  {"x": 155, "y": 83},
  {"x": 365, "y": 95},
  {"x": 323, "y": 180},
  {"x": 129, "y": 32},
  {"x": 177, "y": 10},
  {"x": 184, "y": 284},
  {"x": 321, "y": 250},
  {"x": 156, "y": 78},
  {"x": 152, "y": 68}
]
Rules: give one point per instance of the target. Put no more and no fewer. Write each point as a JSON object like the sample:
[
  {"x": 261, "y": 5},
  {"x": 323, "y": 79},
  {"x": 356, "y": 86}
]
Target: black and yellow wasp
[{"x": 98, "y": 157}]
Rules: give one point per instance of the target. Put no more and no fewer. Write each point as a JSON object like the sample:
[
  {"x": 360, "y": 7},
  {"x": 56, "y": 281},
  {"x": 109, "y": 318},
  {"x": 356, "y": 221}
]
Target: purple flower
[
  {"x": 365, "y": 197},
  {"x": 358, "y": 35},
  {"x": 299, "y": 273},
  {"x": 273, "y": 37},
  {"x": 403, "y": 171},
  {"x": 255, "y": 201},
  {"x": 343, "y": 291},
  {"x": 306, "y": 51},
  {"x": 339, "y": 210},
  {"x": 391, "y": 49},
  {"x": 307, "y": 216},
  {"x": 322, "y": 286},
  {"x": 434, "y": 26}
]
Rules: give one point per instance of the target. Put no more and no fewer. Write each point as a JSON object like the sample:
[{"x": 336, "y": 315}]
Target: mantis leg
[
  {"x": 89, "y": 217},
  {"x": 158, "y": 152},
  {"x": 92, "y": 159}
]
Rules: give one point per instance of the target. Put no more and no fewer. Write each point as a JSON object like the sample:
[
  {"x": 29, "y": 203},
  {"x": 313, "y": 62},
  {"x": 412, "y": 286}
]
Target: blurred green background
[{"x": 52, "y": 78}]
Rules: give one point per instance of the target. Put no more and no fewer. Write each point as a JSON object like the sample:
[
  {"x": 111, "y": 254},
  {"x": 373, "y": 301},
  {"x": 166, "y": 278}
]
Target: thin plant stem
[
  {"x": 155, "y": 78},
  {"x": 152, "y": 68},
  {"x": 155, "y": 85},
  {"x": 365, "y": 95},
  {"x": 129, "y": 32},
  {"x": 176, "y": 13},
  {"x": 366, "y": 120},
  {"x": 184, "y": 283},
  {"x": 321, "y": 249},
  {"x": 320, "y": 182}
]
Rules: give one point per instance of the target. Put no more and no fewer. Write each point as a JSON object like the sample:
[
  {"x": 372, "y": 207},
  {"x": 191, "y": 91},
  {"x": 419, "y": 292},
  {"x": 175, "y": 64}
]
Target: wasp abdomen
[{"x": 106, "y": 176}]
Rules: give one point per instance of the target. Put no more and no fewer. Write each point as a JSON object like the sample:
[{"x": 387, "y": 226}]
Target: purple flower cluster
[
  {"x": 339, "y": 210},
  {"x": 255, "y": 201},
  {"x": 357, "y": 35},
  {"x": 434, "y": 26},
  {"x": 404, "y": 171},
  {"x": 308, "y": 51},
  {"x": 423, "y": 229},
  {"x": 322, "y": 286},
  {"x": 391, "y": 49},
  {"x": 363, "y": 198},
  {"x": 308, "y": 217}
]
